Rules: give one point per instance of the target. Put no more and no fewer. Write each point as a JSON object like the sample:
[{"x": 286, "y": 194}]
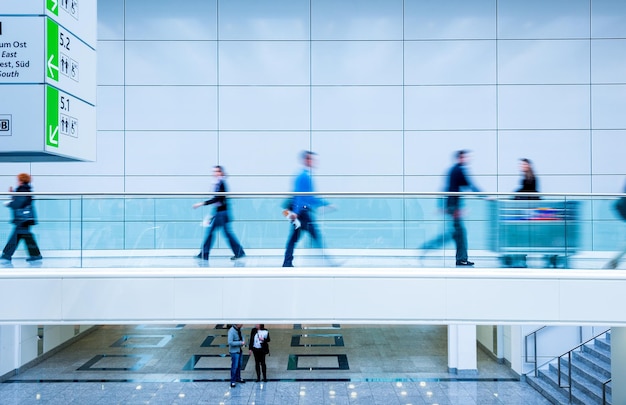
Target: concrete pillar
[
  {"x": 10, "y": 336},
  {"x": 618, "y": 365},
  {"x": 462, "y": 356}
]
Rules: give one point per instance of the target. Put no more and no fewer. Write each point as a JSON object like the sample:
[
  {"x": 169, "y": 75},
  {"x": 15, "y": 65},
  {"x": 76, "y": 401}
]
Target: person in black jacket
[
  {"x": 259, "y": 339},
  {"x": 220, "y": 219},
  {"x": 529, "y": 180},
  {"x": 22, "y": 228},
  {"x": 459, "y": 181}
]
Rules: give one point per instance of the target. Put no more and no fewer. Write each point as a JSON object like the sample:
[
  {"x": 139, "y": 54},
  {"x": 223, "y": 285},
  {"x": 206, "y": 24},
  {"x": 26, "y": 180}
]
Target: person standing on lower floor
[
  {"x": 235, "y": 349},
  {"x": 220, "y": 219},
  {"x": 259, "y": 339},
  {"x": 22, "y": 227}
]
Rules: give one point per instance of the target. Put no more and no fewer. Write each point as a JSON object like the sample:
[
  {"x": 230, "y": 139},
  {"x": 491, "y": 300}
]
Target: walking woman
[{"x": 23, "y": 219}]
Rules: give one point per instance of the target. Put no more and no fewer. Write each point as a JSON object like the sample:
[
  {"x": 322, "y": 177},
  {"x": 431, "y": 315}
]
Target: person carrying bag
[{"x": 23, "y": 219}]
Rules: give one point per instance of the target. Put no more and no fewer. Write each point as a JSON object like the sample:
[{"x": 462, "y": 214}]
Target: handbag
[{"x": 24, "y": 216}]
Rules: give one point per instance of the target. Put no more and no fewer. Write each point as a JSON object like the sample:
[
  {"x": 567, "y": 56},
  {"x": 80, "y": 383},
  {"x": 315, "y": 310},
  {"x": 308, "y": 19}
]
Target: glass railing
[{"x": 357, "y": 229}]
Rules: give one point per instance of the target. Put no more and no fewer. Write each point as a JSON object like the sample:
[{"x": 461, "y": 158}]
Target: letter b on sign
[{"x": 5, "y": 125}]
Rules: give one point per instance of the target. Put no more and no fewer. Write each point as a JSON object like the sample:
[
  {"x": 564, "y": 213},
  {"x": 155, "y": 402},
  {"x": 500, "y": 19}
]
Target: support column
[
  {"x": 618, "y": 365},
  {"x": 462, "y": 356},
  {"x": 9, "y": 348}
]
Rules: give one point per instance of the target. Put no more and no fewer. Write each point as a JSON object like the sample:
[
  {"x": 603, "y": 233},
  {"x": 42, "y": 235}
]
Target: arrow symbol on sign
[
  {"x": 54, "y": 5},
  {"x": 52, "y": 66},
  {"x": 53, "y": 136}
]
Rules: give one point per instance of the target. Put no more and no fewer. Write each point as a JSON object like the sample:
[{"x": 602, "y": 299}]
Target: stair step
[
  {"x": 589, "y": 360},
  {"x": 583, "y": 379},
  {"x": 580, "y": 395}
]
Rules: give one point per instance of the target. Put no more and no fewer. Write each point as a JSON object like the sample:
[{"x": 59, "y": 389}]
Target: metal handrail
[
  {"x": 327, "y": 193},
  {"x": 569, "y": 364},
  {"x": 533, "y": 333},
  {"x": 604, "y": 384}
]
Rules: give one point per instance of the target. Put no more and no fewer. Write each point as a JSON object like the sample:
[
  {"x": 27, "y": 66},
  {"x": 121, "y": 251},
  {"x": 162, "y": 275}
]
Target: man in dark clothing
[
  {"x": 220, "y": 219},
  {"x": 459, "y": 181}
]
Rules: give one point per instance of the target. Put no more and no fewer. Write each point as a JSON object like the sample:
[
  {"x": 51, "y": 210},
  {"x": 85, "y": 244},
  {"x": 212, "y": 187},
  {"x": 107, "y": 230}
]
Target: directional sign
[
  {"x": 69, "y": 125},
  {"x": 47, "y": 80},
  {"x": 66, "y": 58}
]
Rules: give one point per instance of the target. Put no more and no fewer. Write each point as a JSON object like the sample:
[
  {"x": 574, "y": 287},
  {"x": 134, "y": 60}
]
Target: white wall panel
[
  {"x": 171, "y": 63},
  {"x": 543, "y": 62},
  {"x": 450, "y": 108},
  {"x": 451, "y": 19},
  {"x": 607, "y": 152},
  {"x": 110, "y": 73},
  {"x": 264, "y": 63},
  {"x": 244, "y": 153},
  {"x": 433, "y": 152},
  {"x": 110, "y": 108},
  {"x": 356, "y": 20},
  {"x": 171, "y": 108},
  {"x": 167, "y": 20},
  {"x": 608, "y": 19},
  {"x": 543, "y": 107},
  {"x": 533, "y": 19},
  {"x": 170, "y": 153},
  {"x": 264, "y": 108},
  {"x": 356, "y": 62},
  {"x": 608, "y": 58},
  {"x": 606, "y": 108},
  {"x": 111, "y": 20},
  {"x": 264, "y": 20},
  {"x": 552, "y": 152},
  {"x": 358, "y": 153},
  {"x": 356, "y": 108},
  {"x": 449, "y": 62}
]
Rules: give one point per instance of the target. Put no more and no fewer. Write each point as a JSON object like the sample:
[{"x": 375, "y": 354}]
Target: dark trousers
[
  {"x": 306, "y": 224},
  {"x": 221, "y": 220},
  {"x": 21, "y": 232},
  {"x": 460, "y": 238},
  {"x": 259, "y": 363},
  {"x": 457, "y": 234}
]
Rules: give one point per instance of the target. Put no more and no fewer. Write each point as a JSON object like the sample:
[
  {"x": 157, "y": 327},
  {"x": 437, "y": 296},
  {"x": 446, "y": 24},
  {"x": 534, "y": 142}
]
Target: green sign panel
[
  {"x": 52, "y": 117},
  {"x": 52, "y": 53},
  {"x": 53, "y": 6}
]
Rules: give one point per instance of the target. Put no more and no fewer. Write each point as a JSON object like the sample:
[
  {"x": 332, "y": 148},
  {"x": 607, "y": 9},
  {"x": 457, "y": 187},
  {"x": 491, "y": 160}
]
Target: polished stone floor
[{"x": 309, "y": 364}]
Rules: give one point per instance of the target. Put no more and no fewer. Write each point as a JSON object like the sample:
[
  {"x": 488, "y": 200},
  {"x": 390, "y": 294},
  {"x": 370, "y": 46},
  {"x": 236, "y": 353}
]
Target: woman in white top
[{"x": 259, "y": 339}]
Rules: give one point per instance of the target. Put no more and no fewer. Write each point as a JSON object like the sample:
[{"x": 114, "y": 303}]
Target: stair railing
[
  {"x": 534, "y": 360},
  {"x": 569, "y": 364},
  {"x": 604, "y": 384}
]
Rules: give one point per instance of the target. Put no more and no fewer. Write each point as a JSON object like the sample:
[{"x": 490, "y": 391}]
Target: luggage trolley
[{"x": 542, "y": 227}]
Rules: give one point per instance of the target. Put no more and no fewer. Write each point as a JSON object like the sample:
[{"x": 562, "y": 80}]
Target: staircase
[{"x": 591, "y": 367}]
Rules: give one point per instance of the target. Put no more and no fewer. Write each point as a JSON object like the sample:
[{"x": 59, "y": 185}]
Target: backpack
[{"x": 620, "y": 207}]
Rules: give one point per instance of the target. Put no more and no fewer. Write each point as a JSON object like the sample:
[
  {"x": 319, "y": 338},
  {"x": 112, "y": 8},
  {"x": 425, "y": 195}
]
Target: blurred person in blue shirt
[{"x": 302, "y": 208}]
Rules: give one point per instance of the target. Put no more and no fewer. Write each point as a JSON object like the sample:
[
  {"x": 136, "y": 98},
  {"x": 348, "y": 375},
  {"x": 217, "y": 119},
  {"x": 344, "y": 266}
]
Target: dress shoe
[
  {"x": 240, "y": 256},
  {"x": 464, "y": 263}
]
